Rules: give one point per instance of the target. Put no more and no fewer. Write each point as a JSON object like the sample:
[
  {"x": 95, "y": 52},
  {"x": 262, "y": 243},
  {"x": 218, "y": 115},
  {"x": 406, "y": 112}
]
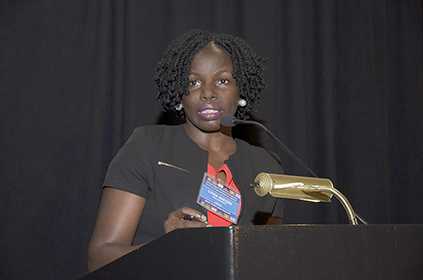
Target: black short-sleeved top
[{"x": 163, "y": 165}]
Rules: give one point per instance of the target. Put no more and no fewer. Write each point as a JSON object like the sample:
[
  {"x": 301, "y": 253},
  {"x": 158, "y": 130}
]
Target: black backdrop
[{"x": 344, "y": 92}]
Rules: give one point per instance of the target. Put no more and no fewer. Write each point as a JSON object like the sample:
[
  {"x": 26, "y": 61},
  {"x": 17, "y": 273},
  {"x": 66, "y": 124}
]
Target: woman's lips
[{"x": 210, "y": 114}]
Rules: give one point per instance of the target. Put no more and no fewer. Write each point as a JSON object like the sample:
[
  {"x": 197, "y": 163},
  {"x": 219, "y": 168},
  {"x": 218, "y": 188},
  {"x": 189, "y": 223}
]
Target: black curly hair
[{"x": 172, "y": 71}]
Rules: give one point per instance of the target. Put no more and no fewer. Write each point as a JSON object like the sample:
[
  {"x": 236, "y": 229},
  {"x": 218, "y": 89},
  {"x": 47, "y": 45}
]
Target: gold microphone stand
[{"x": 301, "y": 188}]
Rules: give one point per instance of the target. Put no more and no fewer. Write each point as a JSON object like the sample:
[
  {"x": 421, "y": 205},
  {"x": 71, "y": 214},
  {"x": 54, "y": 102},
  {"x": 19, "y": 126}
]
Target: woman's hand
[{"x": 184, "y": 218}]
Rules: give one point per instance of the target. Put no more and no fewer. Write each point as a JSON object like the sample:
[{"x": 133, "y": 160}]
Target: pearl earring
[
  {"x": 179, "y": 107},
  {"x": 242, "y": 102}
]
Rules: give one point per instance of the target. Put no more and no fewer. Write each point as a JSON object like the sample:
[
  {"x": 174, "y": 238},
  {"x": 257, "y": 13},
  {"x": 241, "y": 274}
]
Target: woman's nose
[{"x": 208, "y": 94}]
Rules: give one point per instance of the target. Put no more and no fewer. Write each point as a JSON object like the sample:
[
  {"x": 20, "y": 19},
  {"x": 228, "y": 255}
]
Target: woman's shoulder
[
  {"x": 253, "y": 149},
  {"x": 152, "y": 132},
  {"x": 154, "y": 129},
  {"x": 259, "y": 154}
]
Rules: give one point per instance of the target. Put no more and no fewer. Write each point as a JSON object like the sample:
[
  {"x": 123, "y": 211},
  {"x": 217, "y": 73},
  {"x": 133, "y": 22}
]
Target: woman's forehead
[{"x": 210, "y": 58}]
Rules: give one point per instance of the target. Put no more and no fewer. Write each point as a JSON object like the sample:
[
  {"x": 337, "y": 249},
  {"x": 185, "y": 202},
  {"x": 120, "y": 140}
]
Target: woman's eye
[
  {"x": 223, "y": 82},
  {"x": 193, "y": 83}
]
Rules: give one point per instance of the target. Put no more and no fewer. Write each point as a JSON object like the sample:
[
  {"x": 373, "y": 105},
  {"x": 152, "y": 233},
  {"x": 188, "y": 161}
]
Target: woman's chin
[
  {"x": 211, "y": 126},
  {"x": 206, "y": 126}
]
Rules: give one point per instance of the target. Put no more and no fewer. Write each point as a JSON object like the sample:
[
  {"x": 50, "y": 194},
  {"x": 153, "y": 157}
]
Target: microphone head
[{"x": 228, "y": 121}]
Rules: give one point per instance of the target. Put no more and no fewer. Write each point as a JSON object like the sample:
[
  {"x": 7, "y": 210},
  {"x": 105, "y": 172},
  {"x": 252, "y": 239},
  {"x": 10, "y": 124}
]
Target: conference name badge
[{"x": 219, "y": 199}]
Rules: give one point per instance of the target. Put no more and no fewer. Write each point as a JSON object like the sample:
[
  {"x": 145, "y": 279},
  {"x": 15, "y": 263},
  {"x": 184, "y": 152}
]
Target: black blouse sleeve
[{"x": 131, "y": 168}]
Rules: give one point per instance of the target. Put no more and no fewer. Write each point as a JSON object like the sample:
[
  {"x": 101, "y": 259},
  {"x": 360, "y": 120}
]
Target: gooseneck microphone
[{"x": 231, "y": 121}]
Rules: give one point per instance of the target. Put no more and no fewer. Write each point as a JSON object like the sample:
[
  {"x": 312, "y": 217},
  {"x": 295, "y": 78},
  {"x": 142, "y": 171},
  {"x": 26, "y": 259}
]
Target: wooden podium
[{"x": 277, "y": 252}]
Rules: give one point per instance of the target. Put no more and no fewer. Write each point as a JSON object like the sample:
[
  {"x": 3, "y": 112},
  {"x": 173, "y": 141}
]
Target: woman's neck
[{"x": 210, "y": 141}]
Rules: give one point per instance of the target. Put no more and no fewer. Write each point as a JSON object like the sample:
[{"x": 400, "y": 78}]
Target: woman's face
[{"x": 212, "y": 89}]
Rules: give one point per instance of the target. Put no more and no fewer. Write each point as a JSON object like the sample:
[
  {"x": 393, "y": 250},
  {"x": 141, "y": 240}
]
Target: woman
[{"x": 152, "y": 184}]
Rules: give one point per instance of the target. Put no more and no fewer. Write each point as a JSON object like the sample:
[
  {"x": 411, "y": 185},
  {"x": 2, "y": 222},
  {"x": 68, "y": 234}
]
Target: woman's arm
[{"x": 118, "y": 217}]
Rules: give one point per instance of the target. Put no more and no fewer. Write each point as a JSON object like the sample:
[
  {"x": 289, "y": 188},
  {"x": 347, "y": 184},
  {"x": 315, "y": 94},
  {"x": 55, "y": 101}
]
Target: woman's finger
[
  {"x": 192, "y": 214},
  {"x": 184, "y": 218},
  {"x": 193, "y": 224}
]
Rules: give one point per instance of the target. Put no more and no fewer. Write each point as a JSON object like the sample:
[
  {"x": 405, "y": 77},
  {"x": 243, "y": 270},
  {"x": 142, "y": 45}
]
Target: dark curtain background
[{"x": 345, "y": 90}]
